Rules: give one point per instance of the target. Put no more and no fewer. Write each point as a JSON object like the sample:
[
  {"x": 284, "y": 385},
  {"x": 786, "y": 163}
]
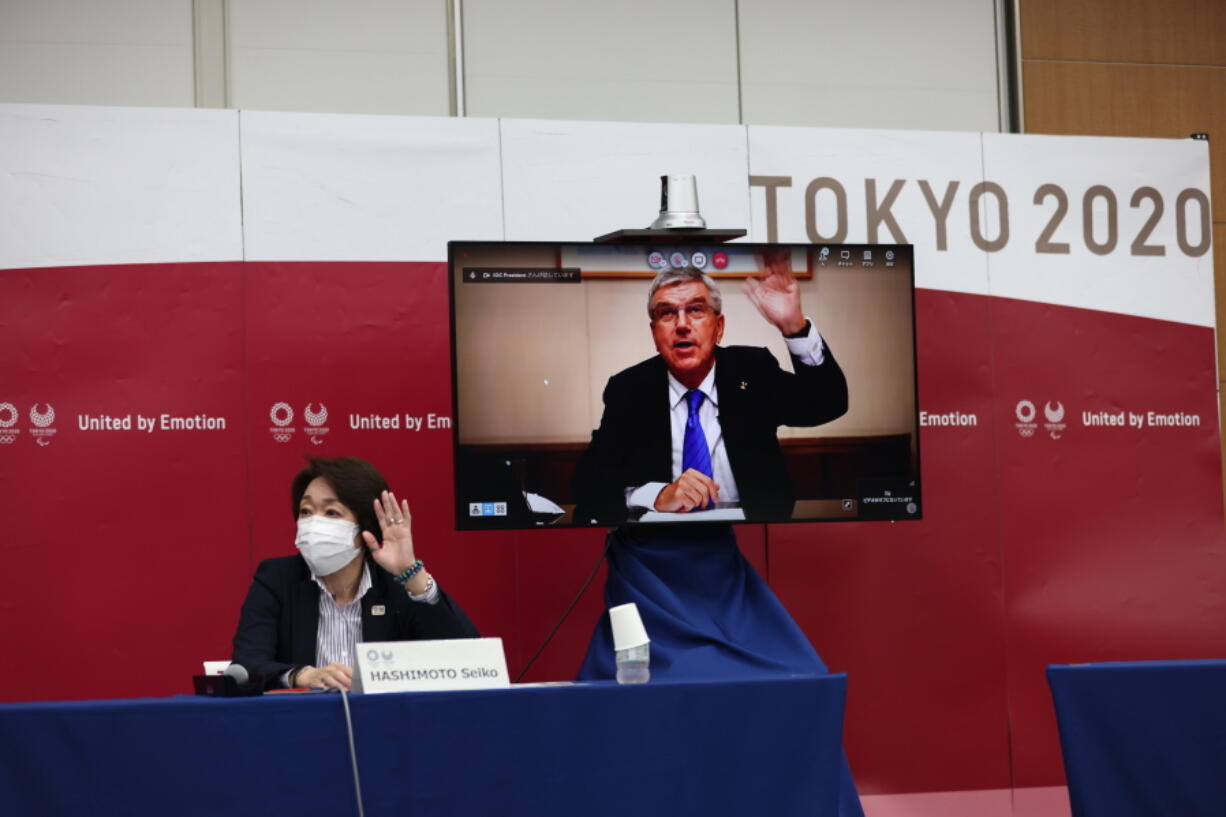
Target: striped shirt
[{"x": 340, "y": 628}]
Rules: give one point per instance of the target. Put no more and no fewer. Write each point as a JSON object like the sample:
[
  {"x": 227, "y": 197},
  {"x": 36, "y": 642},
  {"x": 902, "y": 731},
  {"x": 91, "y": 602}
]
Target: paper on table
[
  {"x": 540, "y": 504},
  {"x": 716, "y": 515}
]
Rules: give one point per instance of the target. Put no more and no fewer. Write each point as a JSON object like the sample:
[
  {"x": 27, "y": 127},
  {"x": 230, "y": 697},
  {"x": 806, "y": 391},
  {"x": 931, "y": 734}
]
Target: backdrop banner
[{"x": 191, "y": 302}]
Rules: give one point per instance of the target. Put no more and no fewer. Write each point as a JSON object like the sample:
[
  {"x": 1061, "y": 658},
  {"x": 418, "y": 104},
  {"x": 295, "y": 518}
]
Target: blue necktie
[{"x": 694, "y": 452}]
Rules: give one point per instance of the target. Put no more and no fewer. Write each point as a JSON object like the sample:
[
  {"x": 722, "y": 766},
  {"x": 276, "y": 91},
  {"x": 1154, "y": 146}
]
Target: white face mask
[{"x": 325, "y": 543}]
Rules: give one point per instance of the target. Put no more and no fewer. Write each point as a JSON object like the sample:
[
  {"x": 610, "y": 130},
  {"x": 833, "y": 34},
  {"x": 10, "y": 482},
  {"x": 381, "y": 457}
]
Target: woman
[{"x": 304, "y": 614}]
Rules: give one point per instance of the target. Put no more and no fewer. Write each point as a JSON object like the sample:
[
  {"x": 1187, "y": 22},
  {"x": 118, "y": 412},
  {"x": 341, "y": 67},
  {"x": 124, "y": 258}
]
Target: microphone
[
  {"x": 238, "y": 672},
  {"x": 234, "y": 682}
]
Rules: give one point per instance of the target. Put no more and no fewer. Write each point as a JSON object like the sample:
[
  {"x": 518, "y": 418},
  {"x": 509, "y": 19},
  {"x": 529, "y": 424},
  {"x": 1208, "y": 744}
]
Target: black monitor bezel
[{"x": 459, "y": 519}]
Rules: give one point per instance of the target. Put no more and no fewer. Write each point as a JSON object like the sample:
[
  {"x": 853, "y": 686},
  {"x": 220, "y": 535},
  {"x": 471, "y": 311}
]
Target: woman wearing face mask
[{"x": 356, "y": 578}]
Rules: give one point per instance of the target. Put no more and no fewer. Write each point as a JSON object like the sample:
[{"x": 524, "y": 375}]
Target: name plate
[{"x": 406, "y": 666}]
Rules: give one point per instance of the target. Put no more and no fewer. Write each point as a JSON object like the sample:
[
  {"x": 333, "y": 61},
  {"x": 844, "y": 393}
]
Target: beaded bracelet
[{"x": 408, "y": 575}]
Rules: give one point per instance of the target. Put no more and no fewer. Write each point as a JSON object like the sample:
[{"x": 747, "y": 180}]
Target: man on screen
[{"x": 697, "y": 424}]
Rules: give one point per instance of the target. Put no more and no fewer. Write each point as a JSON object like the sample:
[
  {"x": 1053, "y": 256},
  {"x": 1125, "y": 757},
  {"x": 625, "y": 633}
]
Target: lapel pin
[{"x": 377, "y": 610}]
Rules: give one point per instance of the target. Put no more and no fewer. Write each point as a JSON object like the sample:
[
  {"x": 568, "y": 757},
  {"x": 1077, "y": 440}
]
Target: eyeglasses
[{"x": 694, "y": 313}]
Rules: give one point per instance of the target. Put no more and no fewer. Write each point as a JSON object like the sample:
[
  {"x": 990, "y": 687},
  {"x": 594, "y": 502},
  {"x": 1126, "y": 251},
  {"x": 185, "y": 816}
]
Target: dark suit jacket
[
  {"x": 280, "y": 618},
  {"x": 633, "y": 445}
]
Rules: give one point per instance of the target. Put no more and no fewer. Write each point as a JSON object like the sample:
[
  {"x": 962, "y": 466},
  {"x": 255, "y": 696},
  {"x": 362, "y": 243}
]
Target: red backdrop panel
[
  {"x": 129, "y": 551},
  {"x": 1112, "y": 535},
  {"x": 126, "y": 549},
  {"x": 913, "y": 611}
]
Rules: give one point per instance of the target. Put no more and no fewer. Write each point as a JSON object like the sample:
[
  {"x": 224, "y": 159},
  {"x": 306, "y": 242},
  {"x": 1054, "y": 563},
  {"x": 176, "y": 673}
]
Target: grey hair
[{"x": 670, "y": 276}]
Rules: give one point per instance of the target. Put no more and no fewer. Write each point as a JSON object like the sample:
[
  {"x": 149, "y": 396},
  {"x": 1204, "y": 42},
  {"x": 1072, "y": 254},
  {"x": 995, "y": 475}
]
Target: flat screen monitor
[{"x": 609, "y": 384}]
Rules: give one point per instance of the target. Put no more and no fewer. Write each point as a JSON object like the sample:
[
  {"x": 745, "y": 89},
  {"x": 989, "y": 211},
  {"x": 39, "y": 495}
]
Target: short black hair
[{"x": 356, "y": 482}]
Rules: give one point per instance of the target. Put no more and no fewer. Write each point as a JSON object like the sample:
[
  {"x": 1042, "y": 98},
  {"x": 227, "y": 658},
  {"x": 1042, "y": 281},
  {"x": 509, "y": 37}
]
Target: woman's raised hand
[{"x": 395, "y": 553}]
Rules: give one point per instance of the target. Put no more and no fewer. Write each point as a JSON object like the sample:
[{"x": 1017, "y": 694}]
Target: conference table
[
  {"x": 1143, "y": 738},
  {"x": 759, "y": 746}
]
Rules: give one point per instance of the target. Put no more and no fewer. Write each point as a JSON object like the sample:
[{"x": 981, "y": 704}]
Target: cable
[
  {"x": 608, "y": 541},
  {"x": 353, "y": 752}
]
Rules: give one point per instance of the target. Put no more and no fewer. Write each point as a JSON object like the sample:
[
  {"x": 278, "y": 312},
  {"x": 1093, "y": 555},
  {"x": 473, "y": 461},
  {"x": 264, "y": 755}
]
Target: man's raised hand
[{"x": 776, "y": 294}]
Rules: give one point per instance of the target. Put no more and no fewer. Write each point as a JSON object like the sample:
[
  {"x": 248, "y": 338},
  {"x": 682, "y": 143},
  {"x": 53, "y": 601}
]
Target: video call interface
[{"x": 575, "y": 395}]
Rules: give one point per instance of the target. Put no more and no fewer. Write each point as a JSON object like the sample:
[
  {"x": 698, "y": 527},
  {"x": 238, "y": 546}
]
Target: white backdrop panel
[
  {"x": 853, "y": 159},
  {"x": 83, "y": 185},
  {"x": 320, "y": 187},
  {"x": 1175, "y": 285},
  {"x": 573, "y": 181}
]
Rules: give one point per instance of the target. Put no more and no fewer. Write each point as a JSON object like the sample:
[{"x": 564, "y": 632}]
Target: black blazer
[
  {"x": 633, "y": 445},
  {"x": 279, "y": 621}
]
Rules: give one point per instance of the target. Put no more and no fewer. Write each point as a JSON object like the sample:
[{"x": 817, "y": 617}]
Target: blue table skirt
[
  {"x": 708, "y": 614},
  {"x": 762, "y": 746},
  {"x": 1143, "y": 738},
  {"x": 707, "y": 611}
]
